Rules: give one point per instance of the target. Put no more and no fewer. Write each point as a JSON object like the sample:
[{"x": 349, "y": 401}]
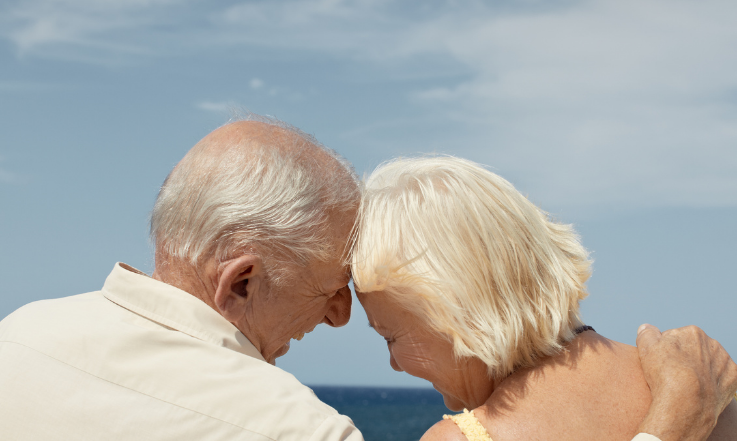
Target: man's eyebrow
[{"x": 371, "y": 326}]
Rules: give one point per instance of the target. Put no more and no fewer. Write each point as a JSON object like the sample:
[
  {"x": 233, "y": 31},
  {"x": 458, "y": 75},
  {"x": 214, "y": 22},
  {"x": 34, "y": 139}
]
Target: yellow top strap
[{"x": 470, "y": 426}]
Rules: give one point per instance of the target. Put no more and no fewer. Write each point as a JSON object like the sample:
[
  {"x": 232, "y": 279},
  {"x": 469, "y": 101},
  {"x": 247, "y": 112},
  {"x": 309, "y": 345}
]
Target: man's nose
[{"x": 339, "y": 308}]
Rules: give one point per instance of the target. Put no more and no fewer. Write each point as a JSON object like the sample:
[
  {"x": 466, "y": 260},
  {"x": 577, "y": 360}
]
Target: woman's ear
[{"x": 239, "y": 280}]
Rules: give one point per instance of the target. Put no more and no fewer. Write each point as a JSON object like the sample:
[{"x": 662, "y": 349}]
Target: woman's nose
[{"x": 339, "y": 308}]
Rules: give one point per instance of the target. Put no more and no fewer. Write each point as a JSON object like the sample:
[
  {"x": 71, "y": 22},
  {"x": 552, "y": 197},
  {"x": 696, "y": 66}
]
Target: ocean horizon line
[{"x": 386, "y": 412}]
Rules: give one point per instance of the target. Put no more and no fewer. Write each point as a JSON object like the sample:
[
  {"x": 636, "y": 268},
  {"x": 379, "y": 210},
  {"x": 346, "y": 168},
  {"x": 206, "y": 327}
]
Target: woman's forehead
[{"x": 382, "y": 310}]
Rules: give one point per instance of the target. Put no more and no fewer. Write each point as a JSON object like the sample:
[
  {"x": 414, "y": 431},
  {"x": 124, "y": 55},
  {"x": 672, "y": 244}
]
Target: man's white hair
[{"x": 271, "y": 196}]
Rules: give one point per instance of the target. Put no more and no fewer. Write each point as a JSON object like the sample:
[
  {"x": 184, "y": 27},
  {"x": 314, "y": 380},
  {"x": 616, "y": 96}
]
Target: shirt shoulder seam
[{"x": 152, "y": 316}]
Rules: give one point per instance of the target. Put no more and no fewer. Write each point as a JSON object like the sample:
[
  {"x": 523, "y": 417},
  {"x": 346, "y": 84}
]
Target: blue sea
[{"x": 383, "y": 413}]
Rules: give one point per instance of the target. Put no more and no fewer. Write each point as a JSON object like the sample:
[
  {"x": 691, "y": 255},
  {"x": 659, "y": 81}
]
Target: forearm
[
  {"x": 663, "y": 422},
  {"x": 692, "y": 379}
]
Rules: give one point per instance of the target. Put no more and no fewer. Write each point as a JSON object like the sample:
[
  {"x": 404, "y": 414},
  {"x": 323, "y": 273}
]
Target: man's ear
[{"x": 239, "y": 280}]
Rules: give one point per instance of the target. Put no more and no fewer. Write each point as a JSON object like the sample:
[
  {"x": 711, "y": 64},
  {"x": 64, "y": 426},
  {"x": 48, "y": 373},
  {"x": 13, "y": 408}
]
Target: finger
[{"x": 647, "y": 336}]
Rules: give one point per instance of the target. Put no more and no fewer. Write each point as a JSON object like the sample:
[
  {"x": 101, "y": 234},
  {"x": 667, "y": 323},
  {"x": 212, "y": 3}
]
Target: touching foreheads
[{"x": 257, "y": 185}]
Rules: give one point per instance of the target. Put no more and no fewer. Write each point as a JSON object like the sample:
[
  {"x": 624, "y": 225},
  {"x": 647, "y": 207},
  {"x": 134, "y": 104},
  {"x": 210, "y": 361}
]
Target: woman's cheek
[{"x": 413, "y": 360}]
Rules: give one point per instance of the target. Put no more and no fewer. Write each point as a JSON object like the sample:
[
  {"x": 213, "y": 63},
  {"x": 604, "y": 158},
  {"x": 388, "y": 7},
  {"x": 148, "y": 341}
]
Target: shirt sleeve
[
  {"x": 338, "y": 428},
  {"x": 645, "y": 437}
]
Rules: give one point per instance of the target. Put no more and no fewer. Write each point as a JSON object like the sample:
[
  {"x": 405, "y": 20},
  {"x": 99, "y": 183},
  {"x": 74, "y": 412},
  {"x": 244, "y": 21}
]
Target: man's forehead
[
  {"x": 342, "y": 275},
  {"x": 333, "y": 271}
]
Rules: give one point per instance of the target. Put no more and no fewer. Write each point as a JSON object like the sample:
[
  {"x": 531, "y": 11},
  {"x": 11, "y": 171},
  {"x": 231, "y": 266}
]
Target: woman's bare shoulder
[{"x": 444, "y": 430}]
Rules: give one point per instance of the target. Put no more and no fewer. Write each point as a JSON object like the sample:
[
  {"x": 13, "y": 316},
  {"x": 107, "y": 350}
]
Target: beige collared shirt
[{"x": 143, "y": 360}]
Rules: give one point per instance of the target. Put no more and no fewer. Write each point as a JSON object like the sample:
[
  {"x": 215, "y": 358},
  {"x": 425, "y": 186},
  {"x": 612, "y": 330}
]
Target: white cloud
[
  {"x": 588, "y": 102},
  {"x": 621, "y": 103},
  {"x": 218, "y": 106},
  {"x": 36, "y": 26}
]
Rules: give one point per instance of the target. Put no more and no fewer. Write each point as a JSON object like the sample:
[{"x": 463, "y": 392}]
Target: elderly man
[{"x": 250, "y": 231}]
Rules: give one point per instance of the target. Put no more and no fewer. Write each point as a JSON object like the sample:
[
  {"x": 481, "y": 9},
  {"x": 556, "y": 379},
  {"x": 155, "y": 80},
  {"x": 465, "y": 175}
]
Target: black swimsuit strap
[{"x": 583, "y": 328}]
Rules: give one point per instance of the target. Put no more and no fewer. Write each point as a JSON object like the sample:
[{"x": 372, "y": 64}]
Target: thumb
[{"x": 647, "y": 336}]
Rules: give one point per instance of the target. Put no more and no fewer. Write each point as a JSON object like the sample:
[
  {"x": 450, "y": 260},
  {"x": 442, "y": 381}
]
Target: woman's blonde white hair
[
  {"x": 265, "y": 194},
  {"x": 464, "y": 250}
]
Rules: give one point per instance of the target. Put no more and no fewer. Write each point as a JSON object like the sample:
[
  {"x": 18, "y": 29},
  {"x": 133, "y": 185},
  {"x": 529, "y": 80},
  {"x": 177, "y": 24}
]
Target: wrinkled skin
[
  {"x": 318, "y": 295},
  {"x": 692, "y": 379},
  {"x": 426, "y": 354}
]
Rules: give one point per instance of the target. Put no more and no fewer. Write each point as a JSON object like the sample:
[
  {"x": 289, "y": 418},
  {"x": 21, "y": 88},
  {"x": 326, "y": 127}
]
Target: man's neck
[{"x": 178, "y": 273}]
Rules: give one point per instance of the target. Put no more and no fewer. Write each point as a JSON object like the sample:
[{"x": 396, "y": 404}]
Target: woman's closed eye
[{"x": 381, "y": 331}]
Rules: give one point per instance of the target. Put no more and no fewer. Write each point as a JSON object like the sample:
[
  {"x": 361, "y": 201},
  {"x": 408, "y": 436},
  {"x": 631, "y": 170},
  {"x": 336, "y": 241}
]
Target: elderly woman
[{"x": 476, "y": 290}]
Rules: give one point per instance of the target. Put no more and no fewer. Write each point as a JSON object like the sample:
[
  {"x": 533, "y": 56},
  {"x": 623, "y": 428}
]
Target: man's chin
[{"x": 280, "y": 352}]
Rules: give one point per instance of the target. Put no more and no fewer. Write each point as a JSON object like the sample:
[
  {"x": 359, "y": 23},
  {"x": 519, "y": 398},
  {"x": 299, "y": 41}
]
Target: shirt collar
[{"x": 173, "y": 307}]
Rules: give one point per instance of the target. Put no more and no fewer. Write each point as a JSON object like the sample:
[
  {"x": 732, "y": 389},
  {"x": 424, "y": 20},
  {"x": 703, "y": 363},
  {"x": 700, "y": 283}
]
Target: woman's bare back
[{"x": 595, "y": 390}]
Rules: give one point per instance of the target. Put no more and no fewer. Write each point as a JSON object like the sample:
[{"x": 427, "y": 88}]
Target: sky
[{"x": 619, "y": 117}]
